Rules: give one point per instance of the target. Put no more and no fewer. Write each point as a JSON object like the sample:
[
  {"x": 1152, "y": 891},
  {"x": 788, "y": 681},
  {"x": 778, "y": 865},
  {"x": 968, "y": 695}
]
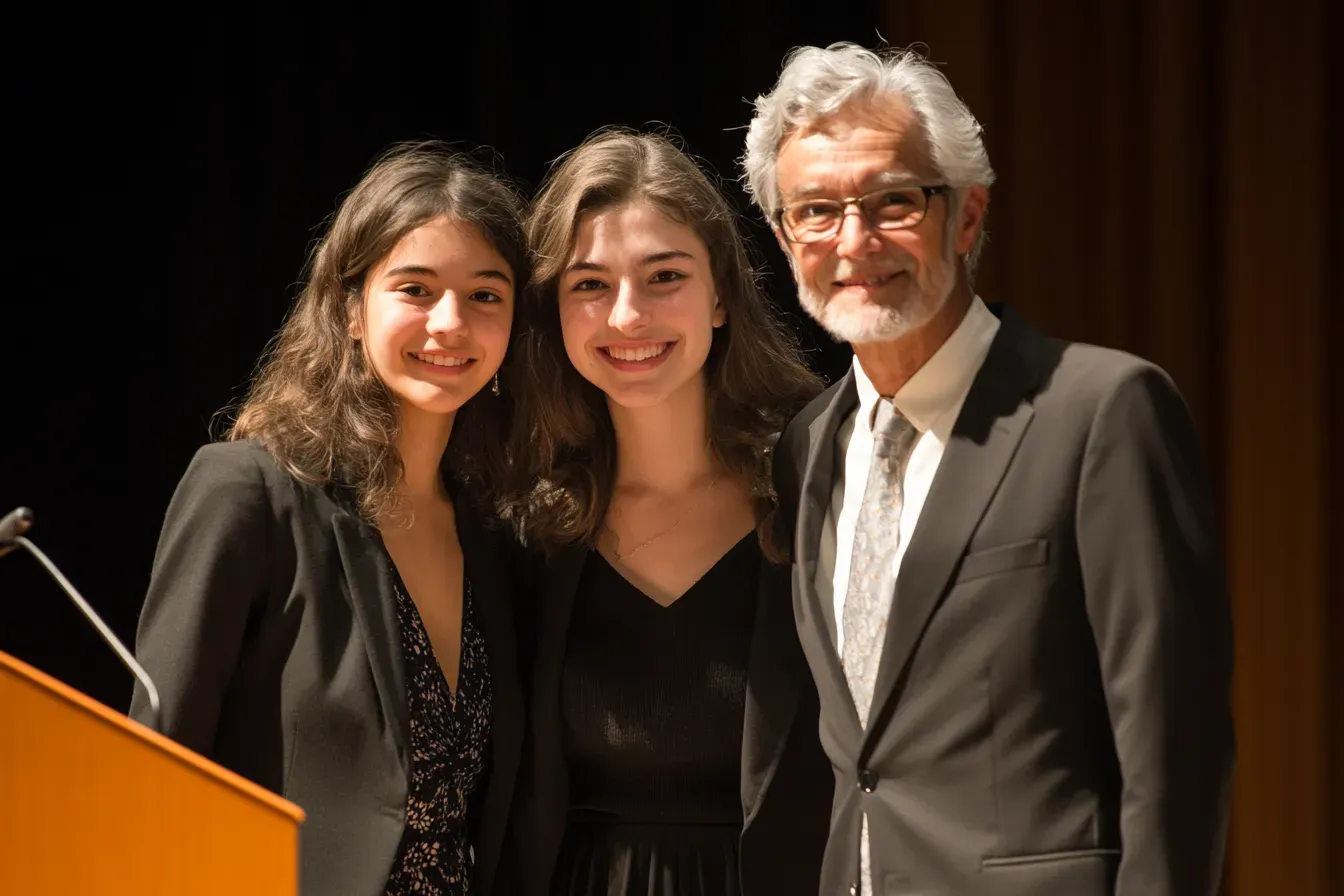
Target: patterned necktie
[{"x": 877, "y": 535}]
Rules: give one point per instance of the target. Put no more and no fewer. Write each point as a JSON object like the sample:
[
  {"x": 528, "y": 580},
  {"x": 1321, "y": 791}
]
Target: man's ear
[{"x": 971, "y": 218}]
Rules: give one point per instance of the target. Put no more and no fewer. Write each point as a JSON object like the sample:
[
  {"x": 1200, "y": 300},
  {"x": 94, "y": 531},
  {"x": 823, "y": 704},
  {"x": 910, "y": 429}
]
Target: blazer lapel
[
  {"x": 492, "y": 600},
  {"x": 374, "y": 606},
  {"x": 549, "y": 773},
  {"x": 983, "y": 441},
  {"x": 816, "y": 617},
  {"x": 774, "y": 665}
]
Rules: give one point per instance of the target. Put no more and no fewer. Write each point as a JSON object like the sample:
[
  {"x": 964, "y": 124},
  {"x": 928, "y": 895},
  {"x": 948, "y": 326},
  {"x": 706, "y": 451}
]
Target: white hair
[{"x": 816, "y": 84}]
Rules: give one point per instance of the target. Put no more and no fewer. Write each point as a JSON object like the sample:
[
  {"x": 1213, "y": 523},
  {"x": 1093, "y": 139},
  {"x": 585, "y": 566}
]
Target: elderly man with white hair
[{"x": 1007, "y": 577}]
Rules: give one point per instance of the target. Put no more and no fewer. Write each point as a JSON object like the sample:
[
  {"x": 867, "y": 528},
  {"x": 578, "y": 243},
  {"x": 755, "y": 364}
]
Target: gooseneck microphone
[{"x": 12, "y": 527}]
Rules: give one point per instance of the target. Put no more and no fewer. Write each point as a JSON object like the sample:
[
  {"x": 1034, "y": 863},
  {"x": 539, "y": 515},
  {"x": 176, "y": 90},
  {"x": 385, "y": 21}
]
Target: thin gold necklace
[{"x": 685, "y": 513}]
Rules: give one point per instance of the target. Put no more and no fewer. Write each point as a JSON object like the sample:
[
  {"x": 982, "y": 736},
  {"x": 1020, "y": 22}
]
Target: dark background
[
  {"x": 168, "y": 224},
  {"x": 1169, "y": 184}
]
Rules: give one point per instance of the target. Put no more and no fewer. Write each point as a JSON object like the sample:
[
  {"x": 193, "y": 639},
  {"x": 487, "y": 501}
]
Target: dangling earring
[{"x": 494, "y": 388}]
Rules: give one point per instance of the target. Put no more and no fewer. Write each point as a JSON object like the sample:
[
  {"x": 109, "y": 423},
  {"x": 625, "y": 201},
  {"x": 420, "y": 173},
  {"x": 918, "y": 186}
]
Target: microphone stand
[{"x": 20, "y": 521}]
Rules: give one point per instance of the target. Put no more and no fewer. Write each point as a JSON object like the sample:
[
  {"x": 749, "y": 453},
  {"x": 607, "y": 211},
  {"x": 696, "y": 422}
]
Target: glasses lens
[
  {"x": 895, "y": 209},
  {"x": 813, "y": 220}
]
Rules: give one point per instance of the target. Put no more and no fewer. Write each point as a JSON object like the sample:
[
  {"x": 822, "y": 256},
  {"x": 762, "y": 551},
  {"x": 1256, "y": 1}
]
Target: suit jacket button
[
  {"x": 867, "y": 780},
  {"x": 853, "y": 890}
]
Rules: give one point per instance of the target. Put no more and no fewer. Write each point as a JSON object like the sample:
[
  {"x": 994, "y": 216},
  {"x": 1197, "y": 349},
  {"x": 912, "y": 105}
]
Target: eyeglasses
[{"x": 891, "y": 208}]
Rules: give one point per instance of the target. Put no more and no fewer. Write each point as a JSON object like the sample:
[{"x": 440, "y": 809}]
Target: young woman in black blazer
[
  {"x": 674, "y": 742},
  {"x": 329, "y": 614}
]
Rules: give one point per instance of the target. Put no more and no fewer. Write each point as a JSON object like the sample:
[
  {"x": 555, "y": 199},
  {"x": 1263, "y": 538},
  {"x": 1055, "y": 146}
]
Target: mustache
[{"x": 854, "y": 272}]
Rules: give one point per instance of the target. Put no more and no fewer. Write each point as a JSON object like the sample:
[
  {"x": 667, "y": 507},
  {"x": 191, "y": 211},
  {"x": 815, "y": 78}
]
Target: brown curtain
[{"x": 1169, "y": 185}]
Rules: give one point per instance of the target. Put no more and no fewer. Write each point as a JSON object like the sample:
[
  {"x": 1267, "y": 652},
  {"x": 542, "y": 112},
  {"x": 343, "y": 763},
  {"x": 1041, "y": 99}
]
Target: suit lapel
[
  {"x": 816, "y": 617},
  {"x": 815, "y": 499},
  {"x": 983, "y": 442},
  {"x": 773, "y": 676},
  {"x": 373, "y": 603}
]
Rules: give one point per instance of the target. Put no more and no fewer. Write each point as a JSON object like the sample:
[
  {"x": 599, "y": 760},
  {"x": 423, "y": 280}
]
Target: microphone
[{"x": 12, "y": 527}]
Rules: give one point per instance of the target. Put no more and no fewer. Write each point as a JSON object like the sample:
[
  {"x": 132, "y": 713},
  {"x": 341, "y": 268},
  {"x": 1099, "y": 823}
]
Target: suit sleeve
[
  {"x": 785, "y": 476},
  {"x": 209, "y": 572},
  {"x": 1158, "y": 606}
]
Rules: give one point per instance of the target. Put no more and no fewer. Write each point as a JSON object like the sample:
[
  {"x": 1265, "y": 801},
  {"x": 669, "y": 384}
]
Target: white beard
[{"x": 874, "y": 323}]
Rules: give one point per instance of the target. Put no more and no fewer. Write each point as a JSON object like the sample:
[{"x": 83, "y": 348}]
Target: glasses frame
[{"x": 858, "y": 202}]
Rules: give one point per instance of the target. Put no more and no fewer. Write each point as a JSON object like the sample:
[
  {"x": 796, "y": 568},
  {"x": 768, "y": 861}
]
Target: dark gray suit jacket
[
  {"x": 270, "y": 630},
  {"x": 1052, "y": 709},
  {"x": 786, "y": 788}
]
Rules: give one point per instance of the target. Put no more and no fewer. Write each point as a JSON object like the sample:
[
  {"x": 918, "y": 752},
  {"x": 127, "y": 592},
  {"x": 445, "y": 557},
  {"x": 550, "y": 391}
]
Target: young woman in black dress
[
  {"x": 674, "y": 745},
  {"x": 328, "y": 614}
]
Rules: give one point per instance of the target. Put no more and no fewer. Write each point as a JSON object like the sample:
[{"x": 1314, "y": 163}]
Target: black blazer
[
  {"x": 1052, "y": 709},
  {"x": 786, "y": 779},
  {"x": 270, "y": 630}
]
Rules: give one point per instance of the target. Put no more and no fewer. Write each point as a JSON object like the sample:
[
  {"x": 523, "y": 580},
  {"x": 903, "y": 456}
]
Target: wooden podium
[{"x": 94, "y": 803}]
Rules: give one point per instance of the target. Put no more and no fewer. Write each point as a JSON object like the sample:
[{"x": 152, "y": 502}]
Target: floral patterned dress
[{"x": 450, "y": 736}]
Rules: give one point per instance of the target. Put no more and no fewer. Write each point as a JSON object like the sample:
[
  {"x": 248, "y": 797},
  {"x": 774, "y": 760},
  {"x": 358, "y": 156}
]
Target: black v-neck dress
[{"x": 653, "y": 700}]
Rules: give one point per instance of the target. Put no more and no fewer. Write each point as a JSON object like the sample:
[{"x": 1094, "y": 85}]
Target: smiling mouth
[
  {"x": 878, "y": 280},
  {"x": 639, "y": 353},
  {"x": 441, "y": 360}
]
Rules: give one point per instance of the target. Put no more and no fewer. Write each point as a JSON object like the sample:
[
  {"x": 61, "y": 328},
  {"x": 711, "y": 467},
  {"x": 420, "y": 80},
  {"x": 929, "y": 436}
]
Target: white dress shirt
[{"x": 931, "y": 400}]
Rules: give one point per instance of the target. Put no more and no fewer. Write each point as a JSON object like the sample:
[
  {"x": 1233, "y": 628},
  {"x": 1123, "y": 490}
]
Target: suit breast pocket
[{"x": 1002, "y": 559}]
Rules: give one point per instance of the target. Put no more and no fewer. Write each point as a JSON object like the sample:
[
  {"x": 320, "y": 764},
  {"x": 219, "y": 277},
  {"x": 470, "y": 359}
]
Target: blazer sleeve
[
  {"x": 1158, "y": 607},
  {"x": 210, "y": 571}
]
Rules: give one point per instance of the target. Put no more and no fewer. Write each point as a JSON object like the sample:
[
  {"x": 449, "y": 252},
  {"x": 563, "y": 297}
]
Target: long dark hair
[
  {"x": 562, "y": 438},
  {"x": 315, "y": 402}
]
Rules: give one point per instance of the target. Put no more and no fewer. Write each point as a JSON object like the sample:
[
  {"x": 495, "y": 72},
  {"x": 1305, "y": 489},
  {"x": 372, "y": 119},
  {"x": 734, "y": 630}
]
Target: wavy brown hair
[
  {"x": 755, "y": 376},
  {"x": 315, "y": 401}
]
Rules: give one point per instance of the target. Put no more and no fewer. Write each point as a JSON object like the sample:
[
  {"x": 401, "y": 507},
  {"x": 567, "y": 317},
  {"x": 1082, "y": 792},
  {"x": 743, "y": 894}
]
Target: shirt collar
[{"x": 941, "y": 385}]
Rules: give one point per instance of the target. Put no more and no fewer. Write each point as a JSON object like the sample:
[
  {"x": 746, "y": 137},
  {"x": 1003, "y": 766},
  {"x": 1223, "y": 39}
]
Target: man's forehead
[
  {"x": 885, "y": 135},
  {"x": 889, "y": 116}
]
